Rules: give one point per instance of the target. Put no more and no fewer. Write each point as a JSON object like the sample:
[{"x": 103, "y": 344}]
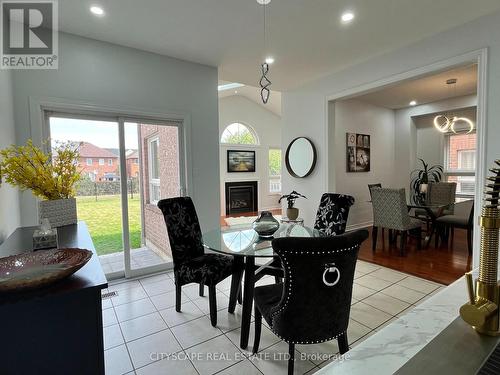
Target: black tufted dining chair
[
  {"x": 313, "y": 303},
  {"x": 333, "y": 210},
  {"x": 191, "y": 264}
]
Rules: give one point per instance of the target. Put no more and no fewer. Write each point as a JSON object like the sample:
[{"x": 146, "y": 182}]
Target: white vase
[{"x": 59, "y": 212}]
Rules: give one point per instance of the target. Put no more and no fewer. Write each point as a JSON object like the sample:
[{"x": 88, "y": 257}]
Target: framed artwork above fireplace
[{"x": 240, "y": 161}]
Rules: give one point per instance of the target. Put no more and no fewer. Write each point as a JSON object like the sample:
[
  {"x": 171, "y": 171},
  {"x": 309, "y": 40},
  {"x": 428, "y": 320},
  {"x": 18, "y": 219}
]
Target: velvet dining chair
[
  {"x": 332, "y": 214},
  {"x": 313, "y": 303},
  {"x": 191, "y": 263}
]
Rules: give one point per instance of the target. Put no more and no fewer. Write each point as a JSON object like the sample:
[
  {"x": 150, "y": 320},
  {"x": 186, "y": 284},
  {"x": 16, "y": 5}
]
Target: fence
[{"x": 88, "y": 188}]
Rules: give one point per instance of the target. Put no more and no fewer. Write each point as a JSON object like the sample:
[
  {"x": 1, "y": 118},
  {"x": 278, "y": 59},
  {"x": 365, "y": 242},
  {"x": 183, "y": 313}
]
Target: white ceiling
[
  {"x": 253, "y": 94},
  {"x": 306, "y": 37},
  {"x": 426, "y": 89}
]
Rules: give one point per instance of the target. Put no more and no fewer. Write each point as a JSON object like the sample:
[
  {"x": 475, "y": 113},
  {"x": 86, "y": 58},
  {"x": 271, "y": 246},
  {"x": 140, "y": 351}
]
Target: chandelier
[{"x": 445, "y": 122}]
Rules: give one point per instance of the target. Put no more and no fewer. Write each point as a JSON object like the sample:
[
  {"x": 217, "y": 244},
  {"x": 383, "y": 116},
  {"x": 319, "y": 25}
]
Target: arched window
[{"x": 239, "y": 134}]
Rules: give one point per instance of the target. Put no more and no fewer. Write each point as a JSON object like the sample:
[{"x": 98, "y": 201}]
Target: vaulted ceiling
[{"x": 306, "y": 37}]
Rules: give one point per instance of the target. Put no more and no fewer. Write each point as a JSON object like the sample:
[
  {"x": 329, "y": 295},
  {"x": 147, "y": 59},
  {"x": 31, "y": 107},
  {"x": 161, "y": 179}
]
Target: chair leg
[
  {"x": 235, "y": 293},
  {"x": 202, "y": 289},
  {"x": 178, "y": 295},
  {"x": 213, "y": 304},
  {"x": 343, "y": 343},
  {"x": 452, "y": 234},
  {"x": 258, "y": 329},
  {"x": 439, "y": 233},
  {"x": 419, "y": 238},
  {"x": 374, "y": 238},
  {"x": 291, "y": 358},
  {"x": 403, "y": 242},
  {"x": 470, "y": 233},
  {"x": 240, "y": 296}
]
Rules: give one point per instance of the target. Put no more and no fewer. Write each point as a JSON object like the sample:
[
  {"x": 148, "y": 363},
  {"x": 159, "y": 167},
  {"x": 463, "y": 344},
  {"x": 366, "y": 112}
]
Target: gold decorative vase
[{"x": 482, "y": 311}]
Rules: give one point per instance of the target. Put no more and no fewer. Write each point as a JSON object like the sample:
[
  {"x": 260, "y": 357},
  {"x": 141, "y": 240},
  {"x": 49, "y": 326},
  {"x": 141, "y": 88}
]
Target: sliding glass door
[
  {"x": 153, "y": 168},
  {"x": 127, "y": 166}
]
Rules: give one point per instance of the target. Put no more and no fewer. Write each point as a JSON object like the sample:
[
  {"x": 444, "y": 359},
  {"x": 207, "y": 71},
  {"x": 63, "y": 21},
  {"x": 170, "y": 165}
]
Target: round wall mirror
[{"x": 300, "y": 157}]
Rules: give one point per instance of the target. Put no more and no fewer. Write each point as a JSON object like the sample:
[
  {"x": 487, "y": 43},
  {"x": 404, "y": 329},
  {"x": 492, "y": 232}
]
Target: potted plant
[
  {"x": 422, "y": 177},
  {"x": 51, "y": 176},
  {"x": 292, "y": 212}
]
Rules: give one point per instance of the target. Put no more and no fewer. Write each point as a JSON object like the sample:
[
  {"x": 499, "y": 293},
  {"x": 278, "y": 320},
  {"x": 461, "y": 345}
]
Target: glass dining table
[
  {"x": 244, "y": 244},
  {"x": 433, "y": 211}
]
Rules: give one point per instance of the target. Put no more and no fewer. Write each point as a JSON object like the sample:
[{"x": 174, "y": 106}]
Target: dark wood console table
[{"x": 57, "y": 329}]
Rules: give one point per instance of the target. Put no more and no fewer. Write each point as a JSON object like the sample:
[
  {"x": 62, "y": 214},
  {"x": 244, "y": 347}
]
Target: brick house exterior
[
  {"x": 97, "y": 163},
  {"x": 461, "y": 156},
  {"x": 133, "y": 169},
  {"x": 155, "y": 233}
]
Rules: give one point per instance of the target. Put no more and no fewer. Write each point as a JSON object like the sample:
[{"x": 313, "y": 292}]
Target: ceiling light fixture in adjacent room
[
  {"x": 347, "y": 17},
  {"x": 446, "y": 122},
  {"x": 413, "y": 103},
  {"x": 97, "y": 10},
  {"x": 264, "y": 82}
]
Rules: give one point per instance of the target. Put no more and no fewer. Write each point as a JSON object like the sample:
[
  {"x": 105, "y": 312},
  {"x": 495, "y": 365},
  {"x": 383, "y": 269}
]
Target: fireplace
[{"x": 241, "y": 197}]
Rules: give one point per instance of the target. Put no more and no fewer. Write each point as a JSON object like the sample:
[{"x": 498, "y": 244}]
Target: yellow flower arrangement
[{"x": 49, "y": 176}]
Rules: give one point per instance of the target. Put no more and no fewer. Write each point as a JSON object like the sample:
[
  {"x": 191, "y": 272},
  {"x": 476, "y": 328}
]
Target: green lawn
[{"x": 103, "y": 217}]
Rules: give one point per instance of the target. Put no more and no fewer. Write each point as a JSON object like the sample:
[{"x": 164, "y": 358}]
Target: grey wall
[
  {"x": 111, "y": 75},
  {"x": 267, "y": 125},
  {"x": 9, "y": 197},
  {"x": 355, "y": 116}
]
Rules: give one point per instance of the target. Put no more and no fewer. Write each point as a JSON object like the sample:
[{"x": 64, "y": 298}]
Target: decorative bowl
[{"x": 37, "y": 269}]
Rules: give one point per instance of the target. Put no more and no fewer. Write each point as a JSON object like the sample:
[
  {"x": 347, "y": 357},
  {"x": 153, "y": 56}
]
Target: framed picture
[
  {"x": 358, "y": 152},
  {"x": 240, "y": 161}
]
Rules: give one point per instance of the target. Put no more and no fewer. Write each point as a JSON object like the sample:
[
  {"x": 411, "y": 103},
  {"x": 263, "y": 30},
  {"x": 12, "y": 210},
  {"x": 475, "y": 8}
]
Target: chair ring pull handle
[{"x": 331, "y": 268}]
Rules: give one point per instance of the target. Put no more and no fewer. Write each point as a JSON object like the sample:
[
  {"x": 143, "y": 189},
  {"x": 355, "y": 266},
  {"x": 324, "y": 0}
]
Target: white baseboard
[{"x": 359, "y": 226}]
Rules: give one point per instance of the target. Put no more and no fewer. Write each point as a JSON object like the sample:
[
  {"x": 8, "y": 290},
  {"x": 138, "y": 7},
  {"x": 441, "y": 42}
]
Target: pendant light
[
  {"x": 445, "y": 122},
  {"x": 264, "y": 81}
]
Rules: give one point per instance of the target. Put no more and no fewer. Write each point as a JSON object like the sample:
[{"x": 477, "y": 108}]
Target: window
[
  {"x": 154, "y": 171},
  {"x": 89, "y": 161},
  {"x": 460, "y": 162},
  {"x": 101, "y": 161},
  {"x": 274, "y": 170},
  {"x": 239, "y": 134},
  {"x": 110, "y": 162},
  {"x": 92, "y": 176}
]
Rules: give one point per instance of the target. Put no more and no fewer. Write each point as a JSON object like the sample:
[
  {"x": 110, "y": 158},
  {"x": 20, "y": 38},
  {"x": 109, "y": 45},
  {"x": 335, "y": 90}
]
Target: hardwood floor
[{"x": 444, "y": 264}]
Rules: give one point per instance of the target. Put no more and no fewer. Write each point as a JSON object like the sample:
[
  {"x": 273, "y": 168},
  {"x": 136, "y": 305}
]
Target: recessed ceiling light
[
  {"x": 347, "y": 17},
  {"x": 236, "y": 91},
  {"x": 98, "y": 11},
  {"x": 263, "y": 2},
  {"x": 413, "y": 102},
  {"x": 269, "y": 60}
]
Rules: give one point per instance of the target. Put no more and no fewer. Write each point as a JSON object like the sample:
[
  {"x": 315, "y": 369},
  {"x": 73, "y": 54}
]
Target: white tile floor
[
  {"x": 139, "y": 258},
  {"x": 141, "y": 326}
]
